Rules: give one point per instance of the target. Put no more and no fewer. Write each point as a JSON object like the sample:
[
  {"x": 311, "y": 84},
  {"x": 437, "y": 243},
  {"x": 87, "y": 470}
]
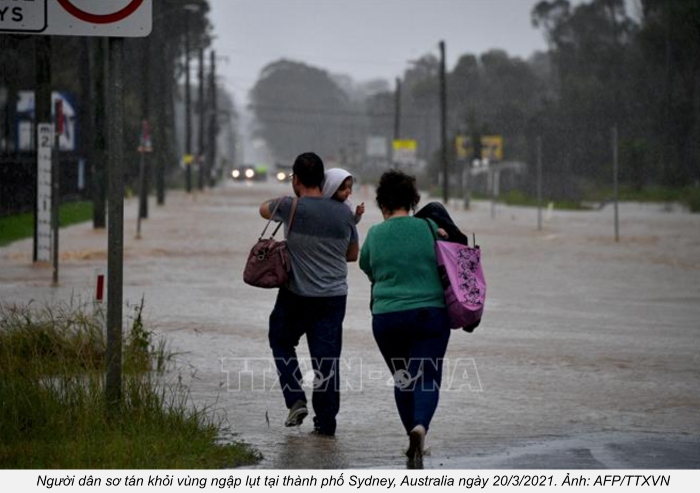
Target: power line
[{"x": 336, "y": 112}]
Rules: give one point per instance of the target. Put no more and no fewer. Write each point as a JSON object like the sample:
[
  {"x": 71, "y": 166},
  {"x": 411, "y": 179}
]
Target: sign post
[
  {"x": 145, "y": 146},
  {"x": 115, "y": 19},
  {"x": 55, "y": 189}
]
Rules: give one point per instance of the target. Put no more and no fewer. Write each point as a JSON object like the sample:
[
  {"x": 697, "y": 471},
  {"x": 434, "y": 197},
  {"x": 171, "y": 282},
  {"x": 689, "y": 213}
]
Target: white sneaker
[{"x": 416, "y": 442}]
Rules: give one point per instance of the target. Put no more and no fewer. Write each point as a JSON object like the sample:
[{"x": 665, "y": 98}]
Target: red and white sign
[{"x": 116, "y": 18}]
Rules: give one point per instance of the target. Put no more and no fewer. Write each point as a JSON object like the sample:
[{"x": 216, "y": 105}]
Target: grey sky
[{"x": 365, "y": 39}]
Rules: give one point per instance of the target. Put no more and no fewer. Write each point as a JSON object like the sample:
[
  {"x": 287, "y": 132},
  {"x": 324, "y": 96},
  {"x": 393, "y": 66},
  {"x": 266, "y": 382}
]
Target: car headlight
[
  {"x": 249, "y": 173},
  {"x": 235, "y": 173},
  {"x": 281, "y": 176}
]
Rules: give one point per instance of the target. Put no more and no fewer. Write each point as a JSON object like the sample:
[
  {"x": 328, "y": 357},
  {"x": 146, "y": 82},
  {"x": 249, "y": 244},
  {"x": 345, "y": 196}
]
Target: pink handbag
[
  {"x": 268, "y": 264},
  {"x": 463, "y": 279}
]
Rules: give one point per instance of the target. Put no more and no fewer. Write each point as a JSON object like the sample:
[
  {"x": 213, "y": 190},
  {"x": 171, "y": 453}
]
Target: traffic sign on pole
[{"x": 109, "y": 18}]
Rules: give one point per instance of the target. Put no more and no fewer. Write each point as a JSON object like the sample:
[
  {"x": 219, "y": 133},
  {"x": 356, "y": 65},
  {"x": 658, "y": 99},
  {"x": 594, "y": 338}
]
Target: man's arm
[
  {"x": 353, "y": 252},
  {"x": 265, "y": 210}
]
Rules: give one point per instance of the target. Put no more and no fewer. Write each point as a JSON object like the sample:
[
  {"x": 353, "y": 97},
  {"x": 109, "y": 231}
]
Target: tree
[
  {"x": 670, "y": 43},
  {"x": 590, "y": 49},
  {"x": 299, "y": 108}
]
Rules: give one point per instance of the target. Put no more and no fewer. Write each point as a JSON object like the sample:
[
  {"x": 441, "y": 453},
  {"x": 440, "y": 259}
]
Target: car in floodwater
[
  {"x": 283, "y": 173},
  {"x": 249, "y": 173}
]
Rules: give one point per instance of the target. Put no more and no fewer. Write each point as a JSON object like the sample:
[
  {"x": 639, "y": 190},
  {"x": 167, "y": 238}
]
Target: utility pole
[
  {"x": 539, "y": 182},
  {"x": 443, "y": 124},
  {"x": 201, "y": 112},
  {"x": 144, "y": 180},
  {"x": 188, "y": 115},
  {"x": 213, "y": 120},
  {"x": 397, "y": 110},
  {"x": 615, "y": 183}
]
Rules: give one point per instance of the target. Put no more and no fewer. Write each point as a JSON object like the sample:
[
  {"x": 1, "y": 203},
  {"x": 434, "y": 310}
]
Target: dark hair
[
  {"x": 397, "y": 190},
  {"x": 308, "y": 167}
]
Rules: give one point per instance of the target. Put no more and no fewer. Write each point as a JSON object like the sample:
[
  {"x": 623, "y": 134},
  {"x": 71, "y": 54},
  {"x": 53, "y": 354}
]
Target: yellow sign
[
  {"x": 464, "y": 147},
  {"x": 405, "y": 145},
  {"x": 405, "y": 151},
  {"x": 491, "y": 147},
  {"x": 189, "y": 159}
]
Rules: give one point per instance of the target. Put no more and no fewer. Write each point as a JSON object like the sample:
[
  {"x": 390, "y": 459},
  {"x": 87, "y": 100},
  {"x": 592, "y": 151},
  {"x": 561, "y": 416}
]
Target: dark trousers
[
  {"x": 321, "y": 319},
  {"x": 413, "y": 344}
]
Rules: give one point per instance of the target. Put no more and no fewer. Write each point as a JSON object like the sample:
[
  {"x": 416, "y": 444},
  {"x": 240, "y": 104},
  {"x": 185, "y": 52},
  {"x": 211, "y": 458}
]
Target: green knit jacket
[{"x": 398, "y": 256}]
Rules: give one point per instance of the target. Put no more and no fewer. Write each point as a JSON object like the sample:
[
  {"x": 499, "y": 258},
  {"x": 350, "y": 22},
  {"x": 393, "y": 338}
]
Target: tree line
[
  {"x": 154, "y": 71},
  {"x": 604, "y": 67}
]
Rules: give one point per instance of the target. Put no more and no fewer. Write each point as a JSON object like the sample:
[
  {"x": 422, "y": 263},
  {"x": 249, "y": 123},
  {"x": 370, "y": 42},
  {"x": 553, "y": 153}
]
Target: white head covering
[{"x": 332, "y": 181}]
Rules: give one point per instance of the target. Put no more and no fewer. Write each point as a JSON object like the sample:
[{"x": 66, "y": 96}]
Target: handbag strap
[{"x": 291, "y": 218}]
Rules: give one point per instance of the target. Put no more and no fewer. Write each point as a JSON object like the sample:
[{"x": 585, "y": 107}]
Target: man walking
[{"x": 322, "y": 239}]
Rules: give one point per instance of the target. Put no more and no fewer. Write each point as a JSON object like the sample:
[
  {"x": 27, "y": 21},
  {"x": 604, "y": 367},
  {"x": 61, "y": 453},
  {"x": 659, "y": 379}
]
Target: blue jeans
[
  {"x": 413, "y": 344},
  {"x": 321, "y": 319}
]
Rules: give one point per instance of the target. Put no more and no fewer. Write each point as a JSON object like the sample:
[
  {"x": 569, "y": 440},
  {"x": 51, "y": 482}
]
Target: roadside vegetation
[
  {"x": 19, "y": 226},
  {"x": 54, "y": 413},
  {"x": 688, "y": 197}
]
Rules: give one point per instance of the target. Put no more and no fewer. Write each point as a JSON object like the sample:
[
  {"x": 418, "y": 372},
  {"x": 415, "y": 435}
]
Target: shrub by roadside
[{"x": 54, "y": 412}]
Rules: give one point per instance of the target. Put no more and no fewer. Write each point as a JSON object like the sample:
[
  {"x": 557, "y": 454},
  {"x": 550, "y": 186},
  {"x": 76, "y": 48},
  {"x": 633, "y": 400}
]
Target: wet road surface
[{"x": 588, "y": 355}]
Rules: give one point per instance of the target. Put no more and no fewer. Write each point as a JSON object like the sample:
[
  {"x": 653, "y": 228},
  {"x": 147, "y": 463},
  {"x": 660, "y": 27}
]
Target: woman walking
[{"x": 409, "y": 318}]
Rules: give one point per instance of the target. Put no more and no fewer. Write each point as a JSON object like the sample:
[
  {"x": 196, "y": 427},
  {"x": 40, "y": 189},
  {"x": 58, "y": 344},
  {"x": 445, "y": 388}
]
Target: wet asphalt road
[{"x": 588, "y": 356}]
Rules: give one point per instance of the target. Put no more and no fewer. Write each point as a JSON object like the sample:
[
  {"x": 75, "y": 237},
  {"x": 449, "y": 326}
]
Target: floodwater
[{"x": 588, "y": 355}]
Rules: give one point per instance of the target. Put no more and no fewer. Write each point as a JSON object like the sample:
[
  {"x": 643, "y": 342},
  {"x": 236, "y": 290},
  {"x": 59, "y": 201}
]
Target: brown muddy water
[{"x": 588, "y": 354}]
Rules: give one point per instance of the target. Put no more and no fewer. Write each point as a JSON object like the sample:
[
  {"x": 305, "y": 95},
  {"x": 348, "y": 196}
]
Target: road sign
[
  {"x": 491, "y": 147},
  {"x": 405, "y": 151},
  {"x": 376, "y": 147},
  {"x": 145, "y": 144},
  {"x": 26, "y": 107},
  {"x": 118, "y": 18}
]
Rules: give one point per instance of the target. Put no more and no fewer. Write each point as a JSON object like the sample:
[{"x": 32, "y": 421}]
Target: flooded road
[{"x": 588, "y": 354}]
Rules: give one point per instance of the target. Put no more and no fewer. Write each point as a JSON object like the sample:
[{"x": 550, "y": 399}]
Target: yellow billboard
[
  {"x": 491, "y": 147},
  {"x": 405, "y": 151}
]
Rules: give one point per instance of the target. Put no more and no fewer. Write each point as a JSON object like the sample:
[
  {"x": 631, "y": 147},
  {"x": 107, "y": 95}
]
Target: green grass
[
  {"x": 516, "y": 197},
  {"x": 21, "y": 226},
  {"x": 689, "y": 196},
  {"x": 54, "y": 413}
]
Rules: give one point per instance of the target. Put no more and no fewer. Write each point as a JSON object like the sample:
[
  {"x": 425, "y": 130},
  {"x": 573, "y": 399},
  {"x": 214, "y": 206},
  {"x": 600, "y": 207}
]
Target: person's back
[
  {"x": 403, "y": 265},
  {"x": 321, "y": 232},
  {"x": 321, "y": 240}
]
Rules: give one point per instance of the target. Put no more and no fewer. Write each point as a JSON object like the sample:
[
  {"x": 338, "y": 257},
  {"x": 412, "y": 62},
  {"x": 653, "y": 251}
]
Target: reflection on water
[{"x": 310, "y": 451}]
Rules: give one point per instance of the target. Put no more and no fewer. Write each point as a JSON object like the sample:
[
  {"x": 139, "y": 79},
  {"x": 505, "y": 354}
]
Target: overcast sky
[{"x": 365, "y": 39}]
